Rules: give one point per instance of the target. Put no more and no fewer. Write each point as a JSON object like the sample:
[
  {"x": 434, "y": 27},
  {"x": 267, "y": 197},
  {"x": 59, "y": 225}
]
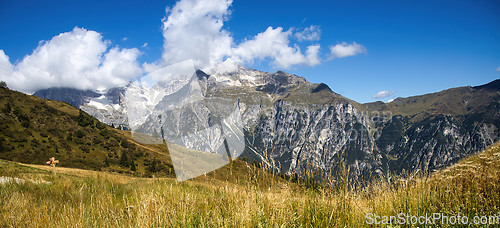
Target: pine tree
[
  {"x": 8, "y": 108},
  {"x": 124, "y": 160},
  {"x": 83, "y": 119}
]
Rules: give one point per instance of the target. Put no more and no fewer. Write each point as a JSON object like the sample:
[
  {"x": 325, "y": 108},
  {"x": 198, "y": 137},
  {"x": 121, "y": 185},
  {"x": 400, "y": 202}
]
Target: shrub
[
  {"x": 8, "y": 108},
  {"x": 5, "y": 146},
  {"x": 96, "y": 141},
  {"x": 124, "y": 160},
  {"x": 110, "y": 145},
  {"x": 25, "y": 123},
  {"x": 154, "y": 166},
  {"x": 139, "y": 153},
  {"x": 85, "y": 149},
  {"x": 100, "y": 125},
  {"x": 83, "y": 119},
  {"x": 22, "y": 117},
  {"x": 105, "y": 133},
  {"x": 124, "y": 143},
  {"x": 79, "y": 134},
  {"x": 65, "y": 145},
  {"x": 106, "y": 162}
]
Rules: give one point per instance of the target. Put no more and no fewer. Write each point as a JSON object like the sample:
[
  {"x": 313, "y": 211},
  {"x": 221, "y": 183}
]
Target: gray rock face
[
  {"x": 294, "y": 126},
  {"x": 297, "y": 138},
  {"x": 433, "y": 143}
]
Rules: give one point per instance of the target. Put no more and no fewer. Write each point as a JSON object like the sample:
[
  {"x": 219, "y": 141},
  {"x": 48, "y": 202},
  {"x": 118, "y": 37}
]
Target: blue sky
[{"x": 410, "y": 47}]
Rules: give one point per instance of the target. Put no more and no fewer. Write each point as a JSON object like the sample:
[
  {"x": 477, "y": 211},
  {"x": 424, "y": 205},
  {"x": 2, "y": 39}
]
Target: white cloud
[
  {"x": 344, "y": 49},
  {"x": 274, "y": 44},
  {"x": 383, "y": 94},
  {"x": 312, "y": 55},
  {"x": 311, "y": 33},
  {"x": 194, "y": 30},
  {"x": 76, "y": 59},
  {"x": 145, "y": 45},
  {"x": 498, "y": 69},
  {"x": 6, "y": 67}
]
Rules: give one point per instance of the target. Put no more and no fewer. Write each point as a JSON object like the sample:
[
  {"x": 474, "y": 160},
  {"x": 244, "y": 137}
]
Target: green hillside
[{"x": 33, "y": 129}]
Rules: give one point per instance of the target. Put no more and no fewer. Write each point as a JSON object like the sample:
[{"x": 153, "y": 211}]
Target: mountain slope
[
  {"x": 460, "y": 101},
  {"x": 435, "y": 130},
  {"x": 33, "y": 129}
]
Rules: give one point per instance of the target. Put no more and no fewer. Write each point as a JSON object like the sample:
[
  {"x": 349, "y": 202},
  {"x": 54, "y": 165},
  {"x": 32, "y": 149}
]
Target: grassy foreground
[{"x": 81, "y": 198}]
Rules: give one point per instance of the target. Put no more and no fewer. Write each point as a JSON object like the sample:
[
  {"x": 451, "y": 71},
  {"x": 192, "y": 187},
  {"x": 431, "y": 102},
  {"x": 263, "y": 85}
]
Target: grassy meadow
[{"x": 239, "y": 195}]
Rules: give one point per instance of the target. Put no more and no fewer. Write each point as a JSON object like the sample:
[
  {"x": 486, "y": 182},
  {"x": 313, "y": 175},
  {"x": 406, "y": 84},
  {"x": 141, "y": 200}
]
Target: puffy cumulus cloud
[
  {"x": 344, "y": 49},
  {"x": 194, "y": 30},
  {"x": 383, "y": 94},
  {"x": 311, "y": 33},
  {"x": 117, "y": 68},
  {"x": 274, "y": 44},
  {"x": 76, "y": 59},
  {"x": 6, "y": 67},
  {"x": 312, "y": 55}
]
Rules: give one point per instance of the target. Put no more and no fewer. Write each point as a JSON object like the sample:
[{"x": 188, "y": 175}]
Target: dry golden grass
[{"x": 81, "y": 198}]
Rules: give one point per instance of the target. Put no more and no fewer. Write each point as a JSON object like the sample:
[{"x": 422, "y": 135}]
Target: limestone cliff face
[
  {"x": 434, "y": 142},
  {"x": 300, "y": 137}
]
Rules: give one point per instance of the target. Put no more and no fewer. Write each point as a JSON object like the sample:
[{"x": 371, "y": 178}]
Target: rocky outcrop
[{"x": 434, "y": 142}]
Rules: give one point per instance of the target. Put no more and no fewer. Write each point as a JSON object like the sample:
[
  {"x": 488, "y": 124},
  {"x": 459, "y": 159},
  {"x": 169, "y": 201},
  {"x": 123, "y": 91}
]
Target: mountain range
[{"x": 294, "y": 126}]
